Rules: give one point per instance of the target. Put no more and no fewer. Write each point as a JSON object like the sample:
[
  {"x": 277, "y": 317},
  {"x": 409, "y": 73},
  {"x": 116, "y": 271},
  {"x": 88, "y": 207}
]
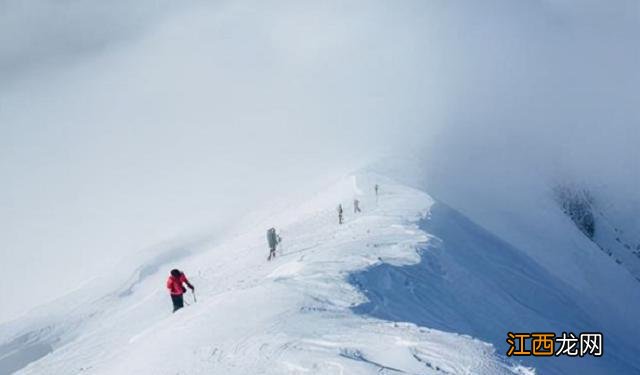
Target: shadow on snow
[{"x": 469, "y": 281}]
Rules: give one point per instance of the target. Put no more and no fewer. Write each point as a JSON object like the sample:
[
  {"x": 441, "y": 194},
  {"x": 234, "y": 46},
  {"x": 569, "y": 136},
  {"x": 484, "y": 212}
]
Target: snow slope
[
  {"x": 291, "y": 315},
  {"x": 618, "y": 233},
  {"x": 408, "y": 286},
  {"x": 470, "y": 281}
]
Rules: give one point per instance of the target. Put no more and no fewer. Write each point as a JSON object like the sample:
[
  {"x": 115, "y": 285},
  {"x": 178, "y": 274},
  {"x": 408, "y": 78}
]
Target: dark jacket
[{"x": 272, "y": 239}]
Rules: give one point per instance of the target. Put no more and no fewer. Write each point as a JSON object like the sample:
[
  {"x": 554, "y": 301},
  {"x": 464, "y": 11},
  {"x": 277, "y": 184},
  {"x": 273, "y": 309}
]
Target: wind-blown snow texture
[{"x": 408, "y": 286}]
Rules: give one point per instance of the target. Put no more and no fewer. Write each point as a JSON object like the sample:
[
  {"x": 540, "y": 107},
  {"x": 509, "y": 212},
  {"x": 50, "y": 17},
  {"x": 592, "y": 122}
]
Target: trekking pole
[{"x": 194, "y": 295}]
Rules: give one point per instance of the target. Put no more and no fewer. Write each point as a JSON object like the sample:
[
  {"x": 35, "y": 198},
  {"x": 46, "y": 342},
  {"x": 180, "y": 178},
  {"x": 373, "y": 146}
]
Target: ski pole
[{"x": 194, "y": 295}]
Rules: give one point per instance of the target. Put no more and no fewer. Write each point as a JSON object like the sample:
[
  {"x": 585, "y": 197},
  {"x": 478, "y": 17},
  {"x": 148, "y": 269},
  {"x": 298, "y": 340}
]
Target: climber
[
  {"x": 177, "y": 289},
  {"x": 340, "y": 214},
  {"x": 273, "y": 239},
  {"x": 356, "y": 206}
]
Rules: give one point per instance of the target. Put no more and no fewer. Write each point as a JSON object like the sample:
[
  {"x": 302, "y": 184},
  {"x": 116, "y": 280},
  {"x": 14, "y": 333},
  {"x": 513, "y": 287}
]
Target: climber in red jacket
[{"x": 177, "y": 289}]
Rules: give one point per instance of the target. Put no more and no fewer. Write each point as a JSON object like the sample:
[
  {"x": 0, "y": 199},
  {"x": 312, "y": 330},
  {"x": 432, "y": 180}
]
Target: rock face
[{"x": 577, "y": 203}]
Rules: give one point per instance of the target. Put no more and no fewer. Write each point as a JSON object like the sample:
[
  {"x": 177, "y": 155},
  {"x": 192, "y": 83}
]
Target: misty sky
[{"x": 123, "y": 125}]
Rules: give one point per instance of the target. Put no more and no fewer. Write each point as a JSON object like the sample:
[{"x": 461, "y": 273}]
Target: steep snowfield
[
  {"x": 291, "y": 315},
  {"x": 408, "y": 286},
  {"x": 469, "y": 281},
  {"x": 618, "y": 234}
]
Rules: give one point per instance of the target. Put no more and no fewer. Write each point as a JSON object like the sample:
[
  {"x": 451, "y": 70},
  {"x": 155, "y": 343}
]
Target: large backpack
[{"x": 272, "y": 239}]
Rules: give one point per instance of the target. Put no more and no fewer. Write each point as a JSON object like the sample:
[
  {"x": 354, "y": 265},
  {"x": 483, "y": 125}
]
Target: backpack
[{"x": 272, "y": 239}]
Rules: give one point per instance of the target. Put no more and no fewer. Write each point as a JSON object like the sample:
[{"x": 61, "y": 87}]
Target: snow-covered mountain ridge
[{"x": 408, "y": 286}]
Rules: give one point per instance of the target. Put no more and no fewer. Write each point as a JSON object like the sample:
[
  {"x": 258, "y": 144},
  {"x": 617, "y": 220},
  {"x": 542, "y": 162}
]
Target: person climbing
[
  {"x": 356, "y": 206},
  {"x": 272, "y": 239},
  {"x": 340, "y": 213},
  {"x": 376, "y": 188},
  {"x": 176, "y": 288}
]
